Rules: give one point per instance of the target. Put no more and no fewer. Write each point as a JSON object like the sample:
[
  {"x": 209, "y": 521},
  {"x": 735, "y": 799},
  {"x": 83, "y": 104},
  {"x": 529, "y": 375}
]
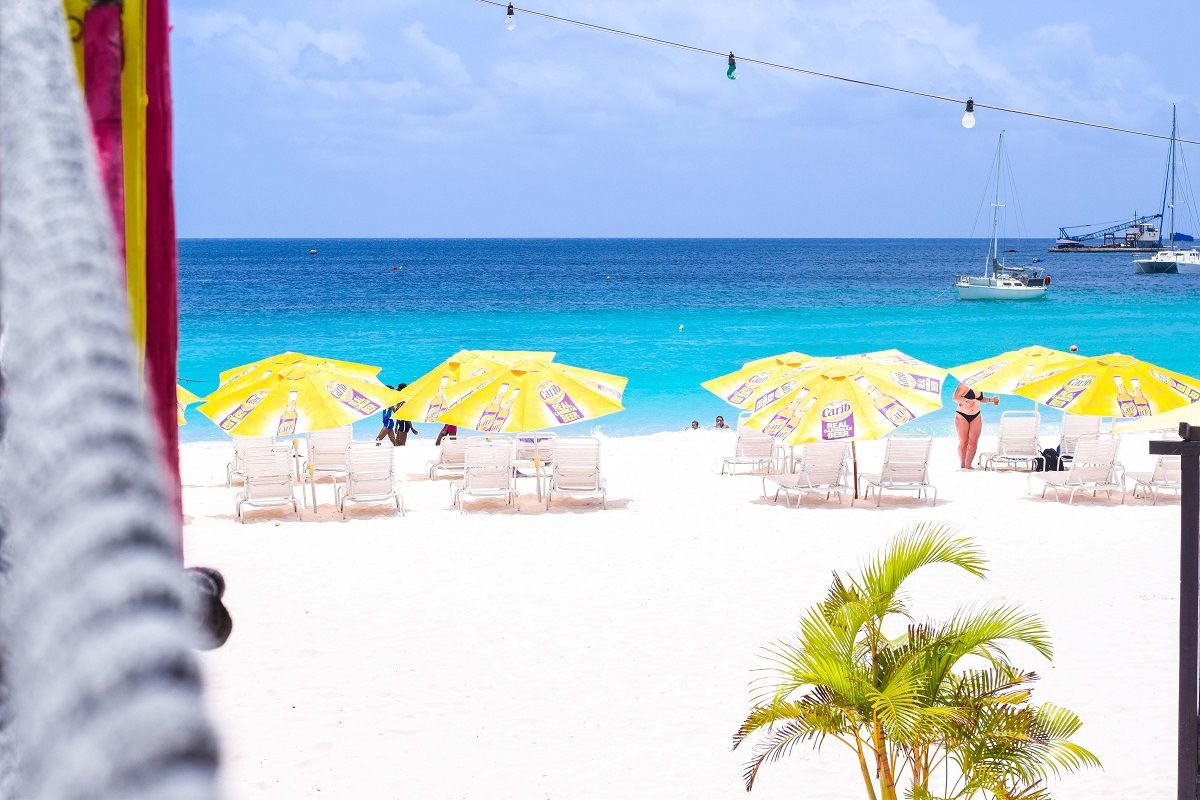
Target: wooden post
[{"x": 1188, "y": 784}]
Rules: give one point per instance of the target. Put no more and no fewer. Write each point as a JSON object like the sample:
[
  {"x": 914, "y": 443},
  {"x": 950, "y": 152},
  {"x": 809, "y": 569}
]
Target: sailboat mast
[
  {"x": 993, "y": 251},
  {"x": 1171, "y": 169}
]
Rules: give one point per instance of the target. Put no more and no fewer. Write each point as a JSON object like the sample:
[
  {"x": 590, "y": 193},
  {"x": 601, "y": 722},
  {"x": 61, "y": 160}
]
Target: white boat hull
[
  {"x": 990, "y": 289},
  {"x": 1170, "y": 262}
]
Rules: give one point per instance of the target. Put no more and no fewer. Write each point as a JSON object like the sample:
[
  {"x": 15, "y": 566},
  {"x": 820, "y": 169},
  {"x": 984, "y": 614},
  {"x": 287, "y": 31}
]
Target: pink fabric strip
[
  {"x": 102, "y": 57},
  {"x": 162, "y": 277}
]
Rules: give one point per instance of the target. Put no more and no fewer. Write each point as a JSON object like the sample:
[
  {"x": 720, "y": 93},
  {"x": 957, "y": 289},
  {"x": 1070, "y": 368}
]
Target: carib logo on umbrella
[
  {"x": 837, "y": 421},
  {"x": 743, "y": 392},
  {"x": 1070, "y": 390},
  {"x": 1191, "y": 394},
  {"x": 352, "y": 398},
  {"x": 559, "y": 402},
  {"x": 233, "y": 418},
  {"x": 922, "y": 383},
  {"x": 990, "y": 370}
]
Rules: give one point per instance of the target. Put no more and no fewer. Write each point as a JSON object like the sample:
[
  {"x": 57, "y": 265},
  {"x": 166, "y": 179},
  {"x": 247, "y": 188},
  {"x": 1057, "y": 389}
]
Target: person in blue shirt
[{"x": 396, "y": 430}]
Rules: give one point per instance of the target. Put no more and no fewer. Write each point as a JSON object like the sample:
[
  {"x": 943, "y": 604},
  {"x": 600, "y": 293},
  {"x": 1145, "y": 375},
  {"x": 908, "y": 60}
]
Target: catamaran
[
  {"x": 999, "y": 281},
  {"x": 1171, "y": 260}
]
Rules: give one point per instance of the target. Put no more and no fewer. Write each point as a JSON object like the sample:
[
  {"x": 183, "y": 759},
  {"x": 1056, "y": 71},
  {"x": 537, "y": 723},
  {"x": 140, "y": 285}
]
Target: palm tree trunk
[
  {"x": 887, "y": 781},
  {"x": 866, "y": 772}
]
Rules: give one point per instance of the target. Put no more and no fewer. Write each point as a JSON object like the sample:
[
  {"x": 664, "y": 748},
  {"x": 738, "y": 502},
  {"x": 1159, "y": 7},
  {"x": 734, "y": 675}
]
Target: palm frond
[{"x": 921, "y": 546}]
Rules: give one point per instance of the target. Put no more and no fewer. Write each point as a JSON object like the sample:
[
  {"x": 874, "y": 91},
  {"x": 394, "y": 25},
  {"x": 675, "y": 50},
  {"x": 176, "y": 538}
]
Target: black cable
[{"x": 830, "y": 76}]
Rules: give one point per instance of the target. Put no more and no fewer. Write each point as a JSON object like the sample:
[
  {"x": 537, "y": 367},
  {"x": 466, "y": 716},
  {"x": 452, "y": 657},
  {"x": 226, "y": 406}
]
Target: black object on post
[{"x": 1189, "y": 606}]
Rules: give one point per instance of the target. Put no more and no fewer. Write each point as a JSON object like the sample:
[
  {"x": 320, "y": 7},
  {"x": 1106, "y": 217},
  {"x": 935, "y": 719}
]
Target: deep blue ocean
[{"x": 617, "y": 305}]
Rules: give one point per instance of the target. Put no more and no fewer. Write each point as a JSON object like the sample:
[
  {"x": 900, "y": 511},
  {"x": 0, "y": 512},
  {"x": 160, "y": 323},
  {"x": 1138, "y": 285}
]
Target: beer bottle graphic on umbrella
[
  {"x": 505, "y": 409},
  {"x": 287, "y": 421},
  {"x": 776, "y": 425},
  {"x": 891, "y": 408},
  {"x": 437, "y": 405},
  {"x": 1124, "y": 398},
  {"x": 488, "y": 418},
  {"x": 1140, "y": 401}
]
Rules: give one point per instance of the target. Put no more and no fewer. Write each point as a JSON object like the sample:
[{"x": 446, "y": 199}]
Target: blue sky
[{"x": 427, "y": 118}]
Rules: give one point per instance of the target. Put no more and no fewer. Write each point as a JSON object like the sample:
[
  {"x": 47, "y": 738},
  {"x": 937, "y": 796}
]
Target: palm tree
[{"x": 904, "y": 703}]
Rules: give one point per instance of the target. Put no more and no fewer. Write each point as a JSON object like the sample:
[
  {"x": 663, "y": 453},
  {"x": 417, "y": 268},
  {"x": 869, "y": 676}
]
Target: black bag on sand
[{"x": 1050, "y": 461}]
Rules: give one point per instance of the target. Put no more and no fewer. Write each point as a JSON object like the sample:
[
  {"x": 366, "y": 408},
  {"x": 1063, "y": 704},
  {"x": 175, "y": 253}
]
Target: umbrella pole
[{"x": 854, "y": 456}]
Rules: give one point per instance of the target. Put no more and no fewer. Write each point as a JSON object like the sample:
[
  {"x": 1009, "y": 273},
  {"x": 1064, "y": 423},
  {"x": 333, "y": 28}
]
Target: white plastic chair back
[
  {"x": 453, "y": 455},
  {"x": 327, "y": 449},
  {"x": 243, "y": 443},
  {"x": 752, "y": 444},
  {"x": 1094, "y": 460},
  {"x": 488, "y": 466},
  {"x": 535, "y": 445},
  {"x": 1169, "y": 469},
  {"x": 906, "y": 460},
  {"x": 824, "y": 462},
  {"x": 1074, "y": 427},
  {"x": 268, "y": 473},
  {"x": 1019, "y": 435},
  {"x": 370, "y": 470},
  {"x": 577, "y": 464}
]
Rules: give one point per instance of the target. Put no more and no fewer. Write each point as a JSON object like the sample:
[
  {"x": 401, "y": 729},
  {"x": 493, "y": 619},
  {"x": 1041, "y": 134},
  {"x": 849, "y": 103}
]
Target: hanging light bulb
[
  {"x": 510, "y": 19},
  {"x": 968, "y": 119},
  {"x": 729, "y": 73}
]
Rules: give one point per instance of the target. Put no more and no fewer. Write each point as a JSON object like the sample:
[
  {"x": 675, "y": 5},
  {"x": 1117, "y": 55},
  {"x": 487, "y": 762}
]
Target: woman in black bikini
[{"x": 967, "y": 421}]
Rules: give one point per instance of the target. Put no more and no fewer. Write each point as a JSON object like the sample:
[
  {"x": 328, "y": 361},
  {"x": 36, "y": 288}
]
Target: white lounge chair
[
  {"x": 1075, "y": 427},
  {"x": 821, "y": 469},
  {"x": 236, "y": 468},
  {"x": 1094, "y": 468},
  {"x": 576, "y": 471},
  {"x": 905, "y": 469},
  {"x": 753, "y": 449},
  {"x": 1018, "y": 442},
  {"x": 327, "y": 451},
  {"x": 487, "y": 472},
  {"x": 528, "y": 446},
  {"x": 451, "y": 458},
  {"x": 1167, "y": 476},
  {"x": 370, "y": 477},
  {"x": 268, "y": 479}
]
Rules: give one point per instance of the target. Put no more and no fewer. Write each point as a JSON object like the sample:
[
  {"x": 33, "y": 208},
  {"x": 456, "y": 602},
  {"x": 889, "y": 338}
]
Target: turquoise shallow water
[{"x": 616, "y": 305}]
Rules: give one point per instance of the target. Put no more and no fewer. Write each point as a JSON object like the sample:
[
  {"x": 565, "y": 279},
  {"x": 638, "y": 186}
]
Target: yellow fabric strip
[
  {"x": 133, "y": 130},
  {"x": 74, "y": 11}
]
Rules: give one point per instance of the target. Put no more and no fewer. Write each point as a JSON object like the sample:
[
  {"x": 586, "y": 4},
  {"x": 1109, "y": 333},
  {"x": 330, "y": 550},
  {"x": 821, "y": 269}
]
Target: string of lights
[{"x": 969, "y": 104}]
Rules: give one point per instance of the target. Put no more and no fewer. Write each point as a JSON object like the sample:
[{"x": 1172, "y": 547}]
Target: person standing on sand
[
  {"x": 389, "y": 423},
  {"x": 396, "y": 430},
  {"x": 401, "y": 427},
  {"x": 968, "y": 421},
  {"x": 447, "y": 430}
]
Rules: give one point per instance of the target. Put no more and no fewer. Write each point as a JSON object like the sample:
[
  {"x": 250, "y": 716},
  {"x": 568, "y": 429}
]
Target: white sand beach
[{"x": 609, "y": 654}]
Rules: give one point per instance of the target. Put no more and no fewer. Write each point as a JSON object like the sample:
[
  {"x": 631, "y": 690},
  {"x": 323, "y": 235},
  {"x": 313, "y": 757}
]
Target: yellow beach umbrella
[
  {"x": 760, "y": 382},
  {"x": 426, "y": 398},
  {"x": 1005, "y": 373},
  {"x": 183, "y": 399},
  {"x": 1168, "y": 420},
  {"x": 864, "y": 396},
  {"x": 1113, "y": 385},
  {"x": 532, "y": 394},
  {"x": 293, "y": 393}
]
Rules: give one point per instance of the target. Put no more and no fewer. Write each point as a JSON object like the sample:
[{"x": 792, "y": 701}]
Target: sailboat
[
  {"x": 999, "y": 281},
  {"x": 1170, "y": 260}
]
